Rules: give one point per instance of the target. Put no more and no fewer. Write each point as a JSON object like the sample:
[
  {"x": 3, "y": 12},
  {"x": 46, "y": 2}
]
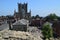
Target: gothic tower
[{"x": 22, "y": 11}]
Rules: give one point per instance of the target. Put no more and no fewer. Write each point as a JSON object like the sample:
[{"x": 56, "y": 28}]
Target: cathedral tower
[{"x": 22, "y": 11}]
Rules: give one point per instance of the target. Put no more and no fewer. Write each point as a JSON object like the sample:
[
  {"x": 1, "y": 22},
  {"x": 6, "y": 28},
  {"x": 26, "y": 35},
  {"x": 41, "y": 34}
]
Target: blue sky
[{"x": 40, "y": 7}]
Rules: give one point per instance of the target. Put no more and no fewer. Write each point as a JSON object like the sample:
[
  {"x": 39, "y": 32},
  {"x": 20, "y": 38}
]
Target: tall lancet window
[{"x": 23, "y": 12}]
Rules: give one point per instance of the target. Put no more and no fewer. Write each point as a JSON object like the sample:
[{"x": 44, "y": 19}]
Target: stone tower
[{"x": 22, "y": 11}]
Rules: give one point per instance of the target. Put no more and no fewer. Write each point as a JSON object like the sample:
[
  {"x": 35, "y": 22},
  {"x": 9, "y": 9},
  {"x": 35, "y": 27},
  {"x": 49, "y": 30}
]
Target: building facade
[{"x": 22, "y": 12}]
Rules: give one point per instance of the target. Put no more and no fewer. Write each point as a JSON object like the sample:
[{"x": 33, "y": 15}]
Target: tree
[
  {"x": 33, "y": 17},
  {"x": 37, "y": 16},
  {"x": 51, "y": 17},
  {"x": 47, "y": 30}
]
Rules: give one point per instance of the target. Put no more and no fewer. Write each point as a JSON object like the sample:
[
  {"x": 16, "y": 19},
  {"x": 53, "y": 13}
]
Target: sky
[{"x": 37, "y": 7}]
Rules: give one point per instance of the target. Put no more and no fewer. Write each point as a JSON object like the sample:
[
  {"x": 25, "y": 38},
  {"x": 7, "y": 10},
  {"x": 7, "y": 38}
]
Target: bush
[{"x": 47, "y": 30}]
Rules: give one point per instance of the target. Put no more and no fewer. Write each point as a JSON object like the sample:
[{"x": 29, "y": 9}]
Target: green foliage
[
  {"x": 37, "y": 16},
  {"x": 52, "y": 17},
  {"x": 34, "y": 17},
  {"x": 47, "y": 30}
]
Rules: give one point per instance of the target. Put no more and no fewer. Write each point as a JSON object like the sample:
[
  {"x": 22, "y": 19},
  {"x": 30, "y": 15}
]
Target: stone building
[
  {"x": 22, "y": 12},
  {"x": 20, "y": 25}
]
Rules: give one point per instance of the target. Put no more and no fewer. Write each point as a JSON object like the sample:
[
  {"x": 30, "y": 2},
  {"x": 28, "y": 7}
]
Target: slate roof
[{"x": 21, "y": 22}]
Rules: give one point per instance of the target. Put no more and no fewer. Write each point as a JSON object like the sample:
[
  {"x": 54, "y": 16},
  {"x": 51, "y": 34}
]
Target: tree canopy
[
  {"x": 47, "y": 30},
  {"x": 51, "y": 16}
]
